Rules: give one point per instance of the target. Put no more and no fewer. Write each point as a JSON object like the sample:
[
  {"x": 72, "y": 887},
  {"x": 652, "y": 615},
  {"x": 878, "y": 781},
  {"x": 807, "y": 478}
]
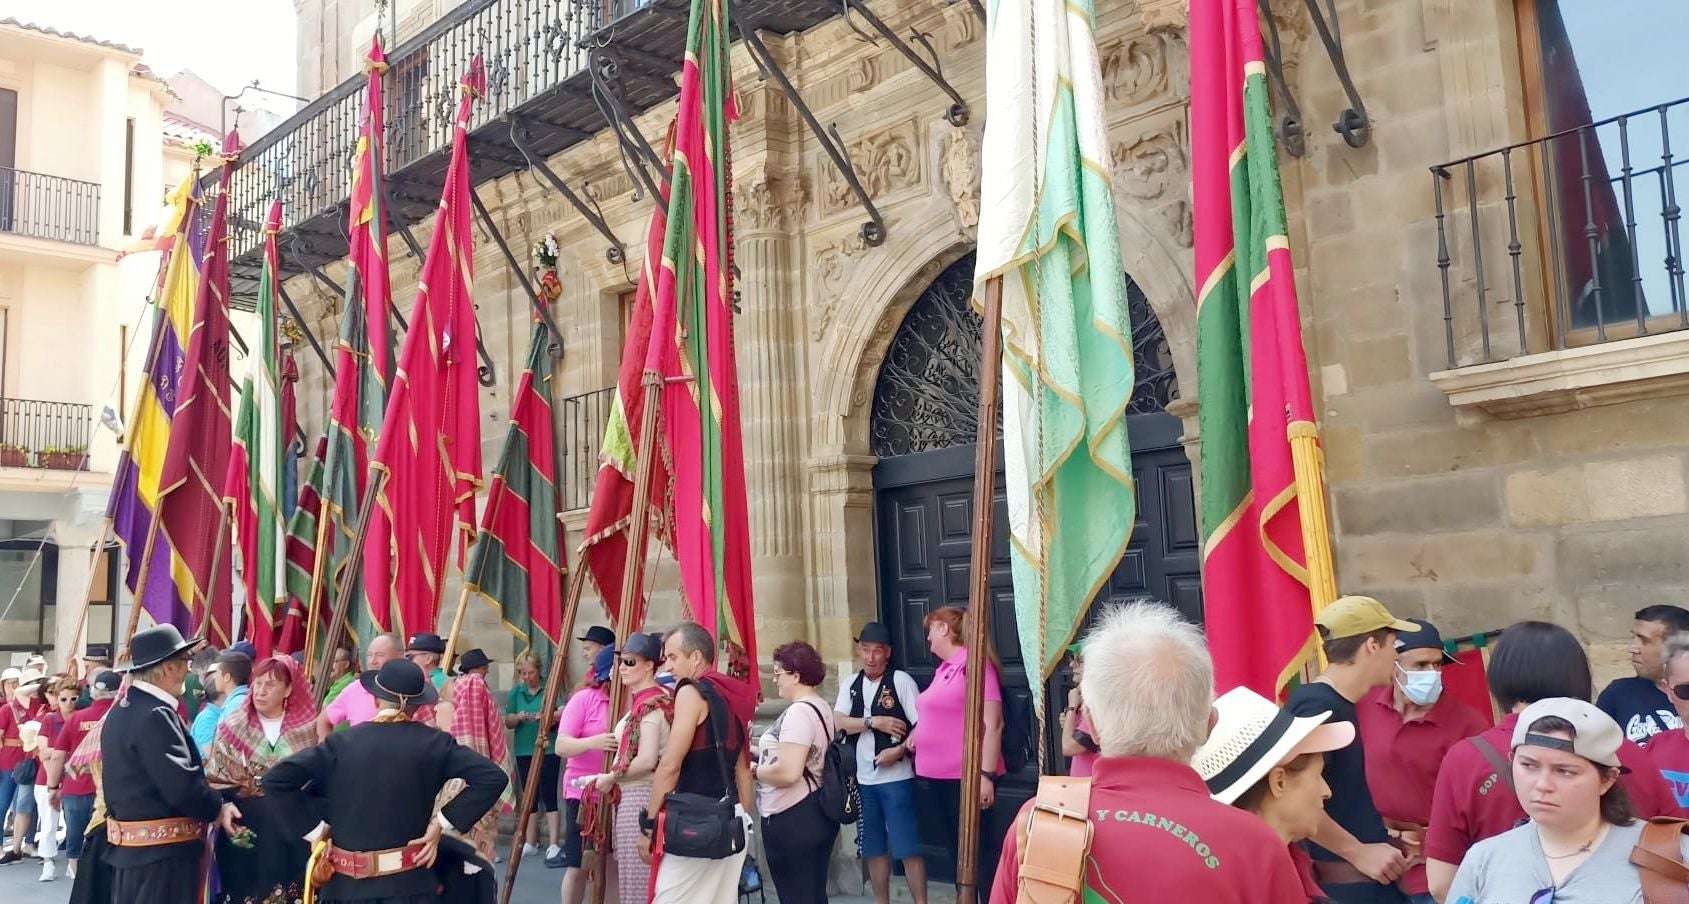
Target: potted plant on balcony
[
  {"x": 13, "y": 455},
  {"x": 65, "y": 458}
]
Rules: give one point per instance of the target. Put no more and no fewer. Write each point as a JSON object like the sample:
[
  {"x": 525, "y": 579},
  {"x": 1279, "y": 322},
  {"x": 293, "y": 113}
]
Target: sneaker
[
  {"x": 29, "y": 851},
  {"x": 10, "y": 857},
  {"x": 553, "y": 852},
  {"x": 49, "y": 871},
  {"x": 554, "y": 861},
  {"x": 529, "y": 850},
  {"x": 70, "y": 869}
]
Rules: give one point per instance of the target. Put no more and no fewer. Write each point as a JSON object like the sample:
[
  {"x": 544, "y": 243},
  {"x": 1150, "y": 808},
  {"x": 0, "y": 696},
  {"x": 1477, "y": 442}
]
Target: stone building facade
[{"x": 1547, "y": 483}]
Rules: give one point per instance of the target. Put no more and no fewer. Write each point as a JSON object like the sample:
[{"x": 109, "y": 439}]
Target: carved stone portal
[
  {"x": 770, "y": 202},
  {"x": 1154, "y": 167}
]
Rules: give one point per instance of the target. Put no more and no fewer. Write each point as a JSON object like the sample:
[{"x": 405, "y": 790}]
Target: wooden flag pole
[
  {"x": 313, "y": 605},
  {"x": 138, "y": 602},
  {"x": 87, "y": 594},
  {"x": 343, "y": 596},
  {"x": 457, "y": 626},
  {"x": 219, "y": 543},
  {"x": 638, "y": 515},
  {"x": 979, "y": 594},
  {"x": 548, "y": 710}
]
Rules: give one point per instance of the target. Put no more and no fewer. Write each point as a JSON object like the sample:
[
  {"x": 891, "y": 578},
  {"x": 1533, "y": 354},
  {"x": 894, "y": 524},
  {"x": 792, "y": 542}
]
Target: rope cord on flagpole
[{"x": 1038, "y": 173}]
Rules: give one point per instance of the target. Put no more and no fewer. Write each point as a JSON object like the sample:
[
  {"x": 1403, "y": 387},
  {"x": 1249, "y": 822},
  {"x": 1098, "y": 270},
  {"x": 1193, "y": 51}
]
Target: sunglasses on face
[
  {"x": 1680, "y": 691},
  {"x": 629, "y": 661}
]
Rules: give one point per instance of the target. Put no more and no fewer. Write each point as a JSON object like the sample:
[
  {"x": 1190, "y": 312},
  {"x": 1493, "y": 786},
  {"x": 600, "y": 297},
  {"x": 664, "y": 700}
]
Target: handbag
[
  {"x": 697, "y": 825},
  {"x": 841, "y": 800},
  {"x": 24, "y": 772},
  {"x": 1665, "y": 877}
]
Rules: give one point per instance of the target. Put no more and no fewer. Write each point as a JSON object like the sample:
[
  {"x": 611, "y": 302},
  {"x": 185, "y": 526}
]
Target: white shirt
[
  {"x": 153, "y": 689},
  {"x": 272, "y": 728},
  {"x": 907, "y": 690}
]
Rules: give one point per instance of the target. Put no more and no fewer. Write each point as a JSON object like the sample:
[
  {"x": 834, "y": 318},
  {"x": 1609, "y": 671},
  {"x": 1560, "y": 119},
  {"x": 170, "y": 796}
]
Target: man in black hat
[
  {"x": 877, "y": 708},
  {"x": 426, "y": 649},
  {"x": 96, "y": 658},
  {"x": 157, "y": 799},
  {"x": 373, "y": 788}
]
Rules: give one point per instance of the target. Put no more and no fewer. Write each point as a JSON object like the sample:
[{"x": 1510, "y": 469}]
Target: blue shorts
[
  {"x": 24, "y": 804},
  {"x": 888, "y": 824}
]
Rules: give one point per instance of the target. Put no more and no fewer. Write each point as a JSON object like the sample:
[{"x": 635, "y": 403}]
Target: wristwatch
[{"x": 647, "y": 822}]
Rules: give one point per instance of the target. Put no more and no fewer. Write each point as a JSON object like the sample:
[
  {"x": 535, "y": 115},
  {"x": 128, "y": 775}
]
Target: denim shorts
[
  {"x": 888, "y": 823},
  {"x": 23, "y": 802}
]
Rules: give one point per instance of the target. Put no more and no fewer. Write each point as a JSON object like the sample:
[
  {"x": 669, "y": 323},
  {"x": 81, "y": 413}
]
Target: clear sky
[{"x": 228, "y": 44}]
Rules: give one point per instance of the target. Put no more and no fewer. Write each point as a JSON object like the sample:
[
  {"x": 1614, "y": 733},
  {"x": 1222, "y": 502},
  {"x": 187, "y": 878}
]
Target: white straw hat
[
  {"x": 1253, "y": 735},
  {"x": 12, "y": 674}
]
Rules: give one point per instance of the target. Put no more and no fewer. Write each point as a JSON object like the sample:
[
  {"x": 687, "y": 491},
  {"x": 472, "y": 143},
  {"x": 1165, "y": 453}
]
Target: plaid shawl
[
  {"x": 476, "y": 724},
  {"x": 240, "y": 754},
  {"x": 593, "y": 825}
]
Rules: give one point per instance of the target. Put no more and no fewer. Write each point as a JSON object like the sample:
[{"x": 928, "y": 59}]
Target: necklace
[{"x": 1587, "y": 845}]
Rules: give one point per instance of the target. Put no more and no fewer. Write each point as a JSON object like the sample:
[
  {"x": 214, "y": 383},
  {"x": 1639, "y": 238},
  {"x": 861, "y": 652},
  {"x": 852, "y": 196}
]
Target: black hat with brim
[
  {"x": 874, "y": 632},
  {"x": 160, "y": 643},
  {"x": 473, "y": 658},
  {"x": 400, "y": 681},
  {"x": 600, "y": 635},
  {"x": 427, "y": 642}
]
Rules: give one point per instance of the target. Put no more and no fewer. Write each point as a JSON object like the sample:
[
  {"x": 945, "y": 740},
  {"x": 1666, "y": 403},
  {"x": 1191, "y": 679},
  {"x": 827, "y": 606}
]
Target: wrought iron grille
[
  {"x": 927, "y": 396},
  {"x": 583, "y": 417},
  {"x": 528, "y": 46},
  {"x": 49, "y": 207},
  {"x": 38, "y": 434},
  {"x": 1569, "y": 239}
]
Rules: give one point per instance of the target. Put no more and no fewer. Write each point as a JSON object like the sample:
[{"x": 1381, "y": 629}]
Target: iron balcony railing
[
  {"x": 527, "y": 46},
  {"x": 38, "y": 434},
  {"x": 584, "y": 417},
  {"x": 1571, "y": 239},
  {"x": 49, "y": 207}
]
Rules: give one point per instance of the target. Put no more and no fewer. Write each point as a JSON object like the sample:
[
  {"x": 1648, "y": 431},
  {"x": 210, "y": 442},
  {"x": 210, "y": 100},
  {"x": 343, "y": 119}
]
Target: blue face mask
[{"x": 1422, "y": 688}]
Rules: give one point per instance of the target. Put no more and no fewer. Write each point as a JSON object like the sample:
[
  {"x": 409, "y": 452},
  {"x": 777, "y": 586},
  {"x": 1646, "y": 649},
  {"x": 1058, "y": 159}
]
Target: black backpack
[
  {"x": 841, "y": 800},
  {"x": 1020, "y": 739}
]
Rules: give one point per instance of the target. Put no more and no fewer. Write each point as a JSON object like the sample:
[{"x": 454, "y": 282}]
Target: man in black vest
[
  {"x": 373, "y": 787},
  {"x": 157, "y": 799},
  {"x": 879, "y": 710}
]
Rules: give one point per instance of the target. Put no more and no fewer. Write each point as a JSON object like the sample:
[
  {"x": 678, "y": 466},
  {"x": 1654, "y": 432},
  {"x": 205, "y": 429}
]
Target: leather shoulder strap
[
  {"x": 1498, "y": 763},
  {"x": 1658, "y": 858},
  {"x": 1055, "y": 842}
]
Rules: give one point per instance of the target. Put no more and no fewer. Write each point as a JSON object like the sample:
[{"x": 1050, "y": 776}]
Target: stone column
[
  {"x": 76, "y": 533},
  {"x": 768, "y": 206},
  {"x": 842, "y": 549}
]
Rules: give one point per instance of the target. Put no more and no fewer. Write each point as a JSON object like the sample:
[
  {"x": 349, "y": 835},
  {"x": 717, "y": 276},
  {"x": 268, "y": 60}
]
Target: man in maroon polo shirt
[
  {"x": 1474, "y": 798},
  {"x": 1158, "y": 836},
  {"x": 1405, "y": 730}
]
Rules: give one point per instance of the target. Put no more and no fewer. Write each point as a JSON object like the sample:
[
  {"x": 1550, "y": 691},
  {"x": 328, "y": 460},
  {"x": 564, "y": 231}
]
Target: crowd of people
[{"x": 1368, "y": 784}]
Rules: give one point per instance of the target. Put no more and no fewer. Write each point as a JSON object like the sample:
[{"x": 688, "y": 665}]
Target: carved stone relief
[
  {"x": 885, "y": 160},
  {"x": 962, "y": 24},
  {"x": 1154, "y": 168},
  {"x": 1145, "y": 67},
  {"x": 832, "y": 262},
  {"x": 960, "y": 169}
]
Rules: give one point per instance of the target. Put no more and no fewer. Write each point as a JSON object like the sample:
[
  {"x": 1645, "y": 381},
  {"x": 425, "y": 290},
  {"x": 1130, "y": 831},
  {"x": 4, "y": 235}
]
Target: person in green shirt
[
  {"x": 342, "y": 671},
  {"x": 426, "y": 649},
  {"x": 522, "y": 713}
]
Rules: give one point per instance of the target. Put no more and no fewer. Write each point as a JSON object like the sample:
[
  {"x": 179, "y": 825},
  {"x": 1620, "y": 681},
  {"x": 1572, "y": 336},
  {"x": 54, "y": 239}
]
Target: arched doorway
[{"x": 923, "y": 425}]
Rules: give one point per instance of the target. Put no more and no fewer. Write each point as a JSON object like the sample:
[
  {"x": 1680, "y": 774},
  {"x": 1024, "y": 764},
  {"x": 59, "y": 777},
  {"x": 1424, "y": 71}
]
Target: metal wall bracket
[
  {"x": 1291, "y": 134},
  {"x": 310, "y": 337},
  {"x": 616, "y": 253},
  {"x": 1352, "y": 123},
  {"x": 605, "y": 71},
  {"x": 873, "y": 232},
  {"x": 540, "y": 308},
  {"x": 958, "y": 112}
]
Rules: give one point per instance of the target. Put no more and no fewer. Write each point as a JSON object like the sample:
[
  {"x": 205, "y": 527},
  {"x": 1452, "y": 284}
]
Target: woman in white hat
[
  {"x": 1270, "y": 762},
  {"x": 18, "y": 770}
]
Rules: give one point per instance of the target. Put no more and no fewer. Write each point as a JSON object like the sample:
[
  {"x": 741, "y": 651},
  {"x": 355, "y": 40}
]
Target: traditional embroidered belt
[
  {"x": 375, "y": 864},
  {"x": 153, "y": 832}
]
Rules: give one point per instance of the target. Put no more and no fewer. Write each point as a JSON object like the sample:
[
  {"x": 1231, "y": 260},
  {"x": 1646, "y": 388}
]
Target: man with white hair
[{"x": 1157, "y": 835}]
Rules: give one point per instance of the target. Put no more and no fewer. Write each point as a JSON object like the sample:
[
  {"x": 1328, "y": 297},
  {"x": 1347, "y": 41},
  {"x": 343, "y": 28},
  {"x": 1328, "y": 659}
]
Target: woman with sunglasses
[
  {"x": 1576, "y": 846},
  {"x": 640, "y": 736},
  {"x": 63, "y": 694}
]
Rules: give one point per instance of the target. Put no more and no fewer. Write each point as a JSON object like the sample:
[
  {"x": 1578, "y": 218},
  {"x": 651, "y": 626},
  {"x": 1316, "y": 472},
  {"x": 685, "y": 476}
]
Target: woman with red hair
[
  {"x": 936, "y": 740},
  {"x": 274, "y": 721}
]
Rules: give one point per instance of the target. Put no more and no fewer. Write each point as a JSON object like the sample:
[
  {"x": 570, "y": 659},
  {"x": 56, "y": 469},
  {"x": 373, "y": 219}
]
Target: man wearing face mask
[{"x": 1406, "y": 727}]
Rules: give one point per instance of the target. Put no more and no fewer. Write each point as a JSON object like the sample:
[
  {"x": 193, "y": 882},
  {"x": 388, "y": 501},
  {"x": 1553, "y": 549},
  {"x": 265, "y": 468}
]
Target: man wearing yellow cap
[{"x": 1354, "y": 860}]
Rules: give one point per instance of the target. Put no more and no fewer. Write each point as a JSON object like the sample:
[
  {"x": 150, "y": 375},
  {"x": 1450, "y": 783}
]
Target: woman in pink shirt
[
  {"x": 1078, "y": 739},
  {"x": 936, "y": 740},
  {"x": 583, "y": 737}
]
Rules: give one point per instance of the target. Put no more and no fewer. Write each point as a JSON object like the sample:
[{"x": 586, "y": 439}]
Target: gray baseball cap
[{"x": 1595, "y": 736}]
